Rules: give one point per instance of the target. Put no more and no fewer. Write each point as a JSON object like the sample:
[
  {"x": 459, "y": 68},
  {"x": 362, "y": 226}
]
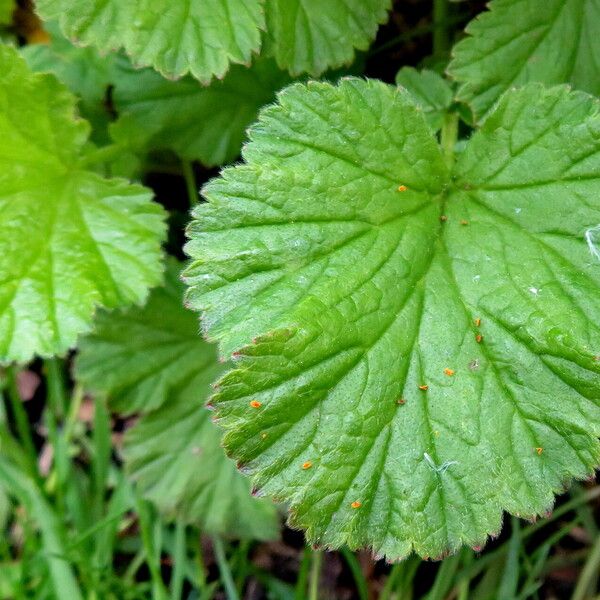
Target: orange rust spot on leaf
[
  {"x": 424, "y": 387},
  {"x": 255, "y": 404},
  {"x": 402, "y": 188},
  {"x": 477, "y": 322},
  {"x": 356, "y": 504},
  {"x": 449, "y": 372},
  {"x": 401, "y": 401},
  {"x": 539, "y": 451},
  {"x": 306, "y": 465},
  {"x": 479, "y": 338}
]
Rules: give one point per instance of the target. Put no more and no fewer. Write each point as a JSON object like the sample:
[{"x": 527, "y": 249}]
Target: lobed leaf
[
  {"x": 421, "y": 348},
  {"x": 151, "y": 361},
  {"x": 311, "y": 36},
  {"x": 71, "y": 240},
  {"x": 202, "y": 37},
  {"x": 518, "y": 41},
  {"x": 176, "y": 38}
]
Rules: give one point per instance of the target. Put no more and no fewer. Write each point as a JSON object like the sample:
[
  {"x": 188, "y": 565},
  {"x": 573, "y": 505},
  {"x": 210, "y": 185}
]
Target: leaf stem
[
  {"x": 224, "y": 570},
  {"x": 302, "y": 578},
  {"x": 441, "y": 38},
  {"x": 190, "y": 182},
  {"x": 359, "y": 578},
  {"x": 315, "y": 574}
]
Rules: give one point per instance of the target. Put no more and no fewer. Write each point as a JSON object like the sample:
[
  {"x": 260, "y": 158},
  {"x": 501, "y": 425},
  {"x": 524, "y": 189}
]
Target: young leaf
[
  {"x": 176, "y": 38},
  {"x": 71, "y": 240},
  {"x": 430, "y": 91},
  {"x": 517, "y": 41},
  {"x": 198, "y": 123},
  {"x": 152, "y": 361},
  {"x": 312, "y": 36},
  {"x": 428, "y": 343}
]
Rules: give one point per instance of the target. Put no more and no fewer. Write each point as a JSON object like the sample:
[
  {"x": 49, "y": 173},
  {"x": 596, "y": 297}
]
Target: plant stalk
[
  {"x": 441, "y": 37},
  {"x": 190, "y": 182},
  {"x": 315, "y": 575},
  {"x": 589, "y": 573},
  {"x": 224, "y": 570}
]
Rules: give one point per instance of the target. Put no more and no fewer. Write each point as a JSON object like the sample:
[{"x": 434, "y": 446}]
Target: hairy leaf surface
[
  {"x": 312, "y": 36},
  {"x": 71, "y": 240},
  {"x": 517, "y": 41},
  {"x": 152, "y": 361},
  {"x": 420, "y": 347},
  {"x": 200, "y": 37}
]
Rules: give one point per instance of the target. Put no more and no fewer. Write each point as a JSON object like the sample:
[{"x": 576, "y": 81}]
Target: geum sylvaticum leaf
[
  {"x": 71, "y": 240},
  {"x": 152, "y": 361},
  {"x": 202, "y": 37},
  {"x": 518, "y": 41},
  {"x": 310, "y": 36},
  {"x": 420, "y": 347}
]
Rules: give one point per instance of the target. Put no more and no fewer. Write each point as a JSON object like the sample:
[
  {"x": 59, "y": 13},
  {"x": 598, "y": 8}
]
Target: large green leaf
[
  {"x": 71, "y": 240},
  {"x": 312, "y": 36},
  {"x": 517, "y": 41},
  {"x": 198, "y": 123},
  {"x": 152, "y": 361},
  {"x": 427, "y": 341},
  {"x": 200, "y": 37}
]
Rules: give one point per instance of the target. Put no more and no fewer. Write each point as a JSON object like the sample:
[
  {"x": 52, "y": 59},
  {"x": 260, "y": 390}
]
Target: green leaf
[
  {"x": 176, "y": 38},
  {"x": 152, "y": 361},
  {"x": 202, "y": 37},
  {"x": 198, "y": 123},
  {"x": 312, "y": 36},
  {"x": 71, "y": 240},
  {"x": 7, "y": 7},
  {"x": 430, "y": 91},
  {"x": 518, "y": 41},
  {"x": 86, "y": 73},
  {"x": 342, "y": 297}
]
